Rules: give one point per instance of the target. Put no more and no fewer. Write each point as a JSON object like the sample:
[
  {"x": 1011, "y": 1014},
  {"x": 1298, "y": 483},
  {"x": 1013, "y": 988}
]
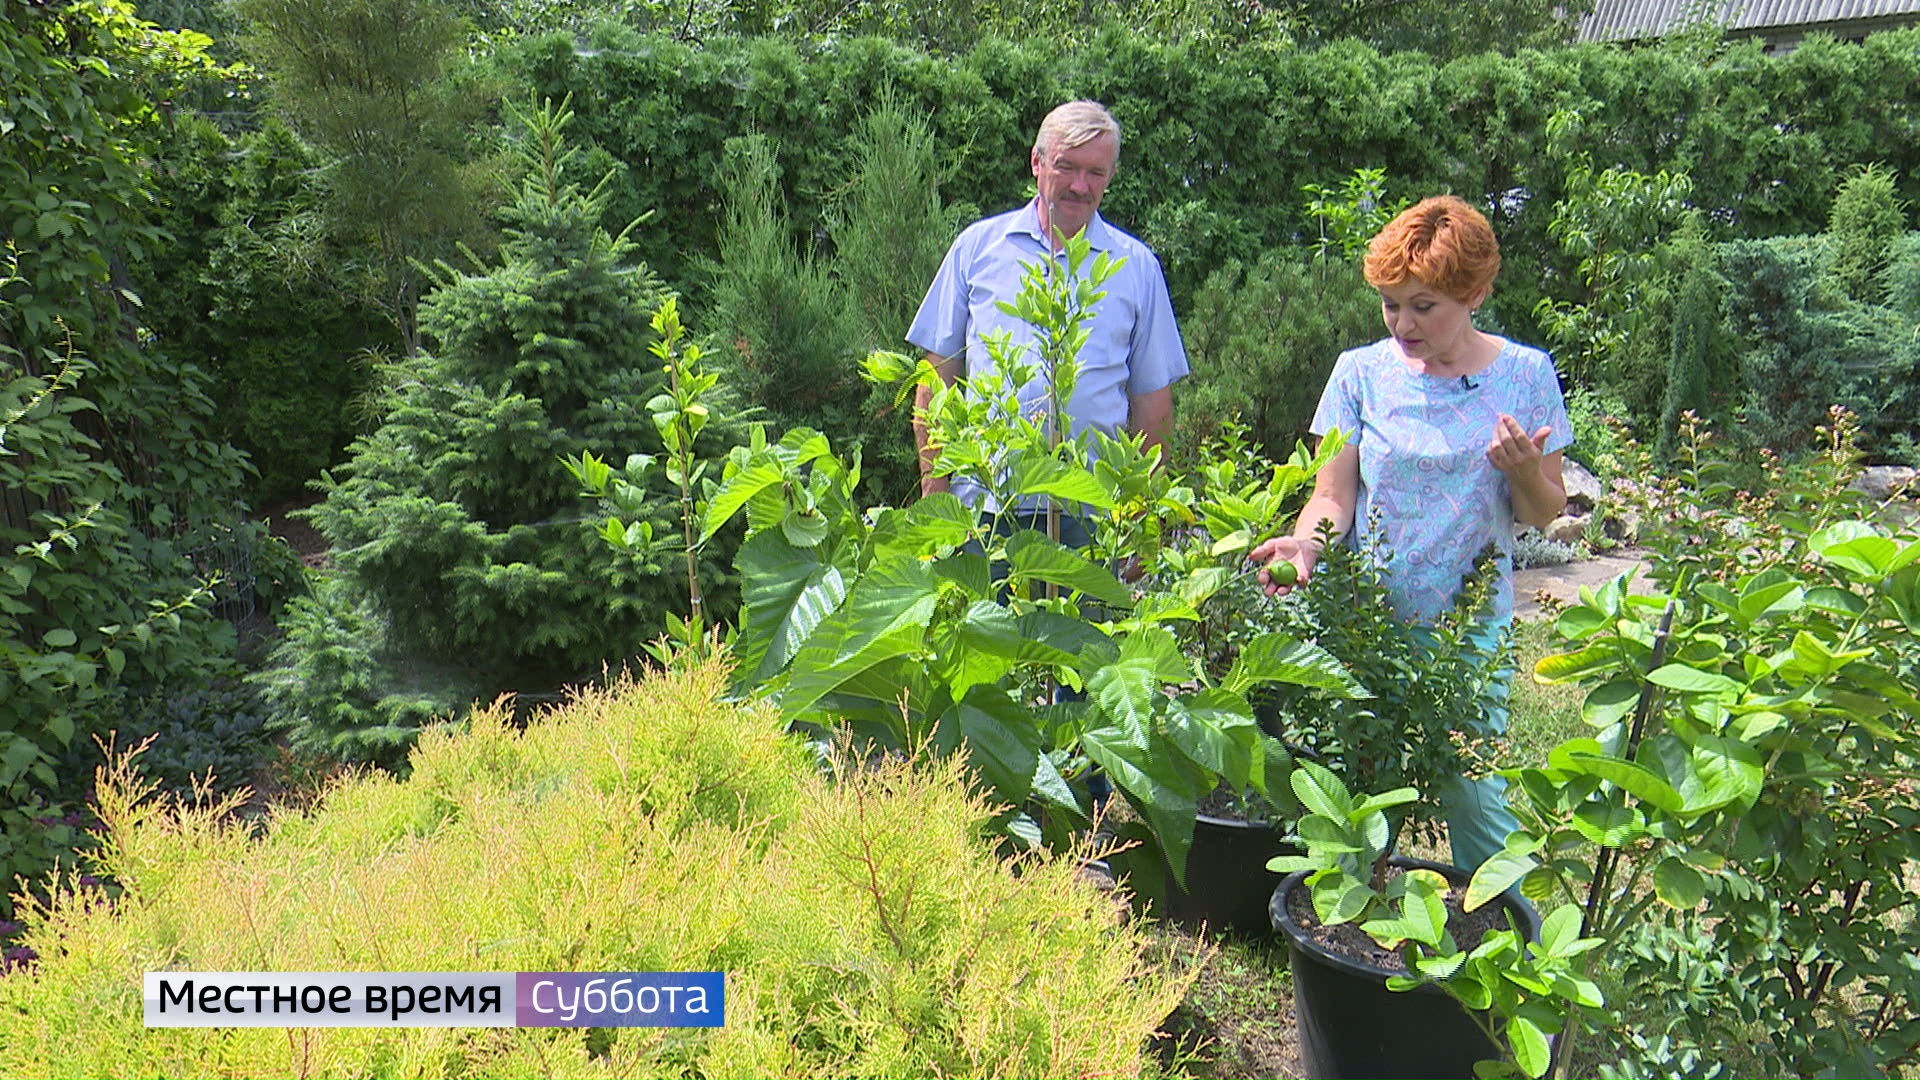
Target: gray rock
[
  {"x": 1567, "y": 529},
  {"x": 1880, "y": 482},
  {"x": 1583, "y": 489},
  {"x": 1622, "y": 525}
]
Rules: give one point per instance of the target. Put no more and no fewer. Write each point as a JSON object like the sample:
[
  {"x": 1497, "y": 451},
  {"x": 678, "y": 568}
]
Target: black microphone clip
[{"x": 1468, "y": 384}]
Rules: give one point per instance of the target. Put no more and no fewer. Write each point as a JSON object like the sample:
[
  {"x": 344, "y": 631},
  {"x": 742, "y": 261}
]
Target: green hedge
[{"x": 1220, "y": 141}]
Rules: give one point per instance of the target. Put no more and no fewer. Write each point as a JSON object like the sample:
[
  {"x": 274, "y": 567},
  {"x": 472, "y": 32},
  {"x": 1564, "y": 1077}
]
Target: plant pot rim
[
  {"x": 1284, "y": 923},
  {"x": 1232, "y": 823}
]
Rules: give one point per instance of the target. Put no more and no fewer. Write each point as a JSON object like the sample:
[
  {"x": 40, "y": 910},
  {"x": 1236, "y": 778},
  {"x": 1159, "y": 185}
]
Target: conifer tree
[
  {"x": 455, "y": 523},
  {"x": 1699, "y": 365},
  {"x": 1866, "y": 219}
]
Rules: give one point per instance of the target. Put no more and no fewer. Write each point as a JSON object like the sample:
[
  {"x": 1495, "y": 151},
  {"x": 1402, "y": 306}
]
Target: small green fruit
[{"x": 1282, "y": 572}]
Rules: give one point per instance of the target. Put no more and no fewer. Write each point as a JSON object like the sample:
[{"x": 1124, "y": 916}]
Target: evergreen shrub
[
  {"x": 251, "y": 289},
  {"x": 866, "y": 925},
  {"x": 1262, "y": 340},
  {"x": 460, "y": 545}
]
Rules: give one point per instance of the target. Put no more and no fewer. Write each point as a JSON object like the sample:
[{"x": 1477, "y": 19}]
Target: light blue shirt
[
  {"x": 1133, "y": 346},
  {"x": 1422, "y": 441}
]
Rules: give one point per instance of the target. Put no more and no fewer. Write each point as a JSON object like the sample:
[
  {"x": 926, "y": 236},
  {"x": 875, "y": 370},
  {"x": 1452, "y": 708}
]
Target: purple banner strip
[{"x": 621, "y": 999}]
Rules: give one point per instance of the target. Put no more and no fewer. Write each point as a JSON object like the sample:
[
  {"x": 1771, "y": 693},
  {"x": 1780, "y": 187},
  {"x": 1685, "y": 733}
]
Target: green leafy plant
[
  {"x": 1611, "y": 220},
  {"x": 1426, "y": 683},
  {"x": 679, "y": 414},
  {"x": 943, "y": 625},
  {"x": 1514, "y": 989},
  {"x": 1234, "y": 498},
  {"x": 1348, "y": 216},
  {"x": 1723, "y": 715}
]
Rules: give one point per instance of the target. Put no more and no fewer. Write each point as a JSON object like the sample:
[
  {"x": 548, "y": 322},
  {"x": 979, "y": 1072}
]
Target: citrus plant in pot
[
  {"x": 1393, "y": 975},
  {"x": 950, "y": 626},
  {"x": 1748, "y": 784},
  {"x": 1238, "y": 496}
]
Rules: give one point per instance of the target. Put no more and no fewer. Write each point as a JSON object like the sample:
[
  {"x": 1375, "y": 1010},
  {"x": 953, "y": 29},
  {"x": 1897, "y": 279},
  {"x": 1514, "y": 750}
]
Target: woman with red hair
[{"x": 1453, "y": 436}]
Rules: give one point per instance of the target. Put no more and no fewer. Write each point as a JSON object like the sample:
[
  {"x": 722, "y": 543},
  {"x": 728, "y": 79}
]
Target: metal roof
[{"x": 1617, "y": 20}]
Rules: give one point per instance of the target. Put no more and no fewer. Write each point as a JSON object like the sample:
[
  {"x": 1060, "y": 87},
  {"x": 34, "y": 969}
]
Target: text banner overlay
[{"x": 435, "y": 999}]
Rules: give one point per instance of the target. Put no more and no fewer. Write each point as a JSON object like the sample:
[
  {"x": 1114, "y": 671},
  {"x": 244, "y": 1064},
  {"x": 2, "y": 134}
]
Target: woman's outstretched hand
[{"x": 1285, "y": 563}]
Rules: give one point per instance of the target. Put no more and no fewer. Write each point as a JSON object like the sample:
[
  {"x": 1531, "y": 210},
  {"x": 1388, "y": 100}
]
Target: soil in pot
[{"x": 1350, "y": 1024}]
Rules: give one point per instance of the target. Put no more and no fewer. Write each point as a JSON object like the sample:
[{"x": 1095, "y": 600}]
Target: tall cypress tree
[{"x": 1699, "y": 359}]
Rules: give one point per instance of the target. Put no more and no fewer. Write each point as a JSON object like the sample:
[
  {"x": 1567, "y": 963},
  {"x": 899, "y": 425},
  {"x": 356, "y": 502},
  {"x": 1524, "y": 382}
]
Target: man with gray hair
[{"x": 1133, "y": 353}]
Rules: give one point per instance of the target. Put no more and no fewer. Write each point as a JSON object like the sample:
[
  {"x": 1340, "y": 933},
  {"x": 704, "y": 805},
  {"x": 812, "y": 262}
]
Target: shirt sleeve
[
  {"x": 1339, "y": 403},
  {"x": 940, "y": 327},
  {"x": 1554, "y": 404},
  {"x": 1156, "y": 357}
]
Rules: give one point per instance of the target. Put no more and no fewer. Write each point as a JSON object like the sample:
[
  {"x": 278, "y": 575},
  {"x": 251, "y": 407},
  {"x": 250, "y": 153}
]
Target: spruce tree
[{"x": 455, "y": 523}]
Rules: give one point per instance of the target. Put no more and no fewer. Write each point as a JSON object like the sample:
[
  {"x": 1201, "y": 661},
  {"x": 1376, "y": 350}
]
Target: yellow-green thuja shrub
[{"x": 866, "y": 926}]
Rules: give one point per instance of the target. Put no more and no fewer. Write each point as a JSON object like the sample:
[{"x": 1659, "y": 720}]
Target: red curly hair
[{"x": 1441, "y": 242}]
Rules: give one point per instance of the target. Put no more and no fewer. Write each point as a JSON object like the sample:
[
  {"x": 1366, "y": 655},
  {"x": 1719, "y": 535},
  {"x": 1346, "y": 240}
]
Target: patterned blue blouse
[{"x": 1423, "y": 443}]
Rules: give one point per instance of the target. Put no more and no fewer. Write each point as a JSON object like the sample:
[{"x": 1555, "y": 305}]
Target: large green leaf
[
  {"x": 977, "y": 650},
  {"x": 988, "y": 642},
  {"x": 1530, "y": 1049},
  {"x": 1126, "y": 693},
  {"x": 1608, "y": 824},
  {"x": 1046, "y": 476},
  {"x": 935, "y": 522},
  {"x": 764, "y": 470},
  {"x": 1003, "y": 742},
  {"x": 1577, "y": 665},
  {"x": 855, "y": 639},
  {"x": 1497, "y": 875},
  {"x": 1165, "y": 788},
  {"x": 969, "y": 570},
  {"x": 1775, "y": 597},
  {"x": 1202, "y": 583},
  {"x": 1217, "y": 736},
  {"x": 1859, "y": 549},
  {"x": 1280, "y": 658},
  {"x": 786, "y": 592},
  {"x": 1034, "y": 557},
  {"x": 1689, "y": 680},
  {"x": 1730, "y": 772},
  {"x": 1160, "y": 649},
  {"x": 892, "y": 596},
  {"x": 1678, "y": 885},
  {"x": 1321, "y": 792},
  {"x": 1637, "y": 780},
  {"x": 1610, "y": 702},
  {"x": 1050, "y": 631}
]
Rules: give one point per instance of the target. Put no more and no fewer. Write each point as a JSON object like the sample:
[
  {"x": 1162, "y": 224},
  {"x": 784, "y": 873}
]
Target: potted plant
[
  {"x": 935, "y": 627},
  {"x": 1238, "y": 497},
  {"x": 1389, "y": 967},
  {"x": 1426, "y": 683},
  {"x": 1748, "y": 786}
]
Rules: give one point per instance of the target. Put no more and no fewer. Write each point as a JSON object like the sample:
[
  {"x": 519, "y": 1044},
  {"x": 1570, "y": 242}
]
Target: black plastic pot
[
  {"x": 1351, "y": 1025},
  {"x": 1228, "y": 883}
]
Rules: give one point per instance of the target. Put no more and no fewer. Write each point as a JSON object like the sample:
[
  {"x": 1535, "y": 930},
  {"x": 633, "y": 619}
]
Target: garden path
[{"x": 1563, "y": 582}]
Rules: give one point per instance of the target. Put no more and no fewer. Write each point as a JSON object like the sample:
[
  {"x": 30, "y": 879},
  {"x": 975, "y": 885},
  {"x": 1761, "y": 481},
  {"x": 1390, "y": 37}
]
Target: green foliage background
[
  {"x": 1220, "y": 140},
  {"x": 117, "y": 508}
]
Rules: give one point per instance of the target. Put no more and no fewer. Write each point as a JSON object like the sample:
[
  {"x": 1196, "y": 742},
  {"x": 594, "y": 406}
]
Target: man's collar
[{"x": 1098, "y": 234}]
